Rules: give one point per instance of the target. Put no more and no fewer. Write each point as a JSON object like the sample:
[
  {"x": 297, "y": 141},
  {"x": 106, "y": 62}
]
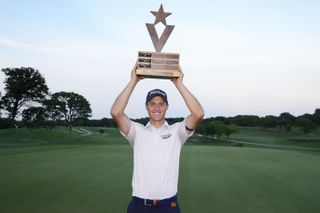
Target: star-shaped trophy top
[{"x": 160, "y": 16}]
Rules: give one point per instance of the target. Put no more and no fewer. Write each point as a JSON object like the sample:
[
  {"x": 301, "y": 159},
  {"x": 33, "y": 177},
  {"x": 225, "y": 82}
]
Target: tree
[
  {"x": 4, "y": 122},
  {"x": 209, "y": 129},
  {"x": 218, "y": 128},
  {"x": 231, "y": 129},
  {"x": 34, "y": 116},
  {"x": 70, "y": 106},
  {"x": 54, "y": 109},
  {"x": 269, "y": 121},
  {"x": 286, "y": 120},
  {"x": 22, "y": 85},
  {"x": 316, "y": 116},
  {"x": 308, "y": 116},
  {"x": 201, "y": 129},
  {"x": 0, "y": 105},
  {"x": 306, "y": 125},
  {"x": 246, "y": 120}
]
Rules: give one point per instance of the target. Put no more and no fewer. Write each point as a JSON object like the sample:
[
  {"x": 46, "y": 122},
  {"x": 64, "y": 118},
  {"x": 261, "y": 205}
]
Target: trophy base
[{"x": 158, "y": 65}]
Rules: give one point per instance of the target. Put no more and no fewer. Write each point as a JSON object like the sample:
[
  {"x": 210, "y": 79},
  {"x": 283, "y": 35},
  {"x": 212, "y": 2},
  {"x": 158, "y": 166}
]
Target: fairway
[{"x": 92, "y": 173}]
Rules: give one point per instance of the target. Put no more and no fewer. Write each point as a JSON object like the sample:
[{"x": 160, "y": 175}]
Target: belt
[{"x": 168, "y": 202}]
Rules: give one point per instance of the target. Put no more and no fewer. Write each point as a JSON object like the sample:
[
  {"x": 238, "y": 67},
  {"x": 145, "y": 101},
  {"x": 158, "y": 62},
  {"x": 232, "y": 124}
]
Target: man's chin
[{"x": 157, "y": 119}]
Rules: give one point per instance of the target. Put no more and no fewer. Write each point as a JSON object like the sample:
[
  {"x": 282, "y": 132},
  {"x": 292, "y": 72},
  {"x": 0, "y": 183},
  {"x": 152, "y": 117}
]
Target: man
[{"x": 156, "y": 146}]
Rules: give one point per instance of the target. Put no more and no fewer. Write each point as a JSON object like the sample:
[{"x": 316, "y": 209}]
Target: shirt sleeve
[
  {"x": 183, "y": 133},
  {"x": 132, "y": 132}
]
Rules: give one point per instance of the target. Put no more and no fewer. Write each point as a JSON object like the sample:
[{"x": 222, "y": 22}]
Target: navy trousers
[{"x": 139, "y": 205}]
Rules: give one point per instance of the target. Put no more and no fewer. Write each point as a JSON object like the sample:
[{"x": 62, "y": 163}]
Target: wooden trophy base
[{"x": 158, "y": 65}]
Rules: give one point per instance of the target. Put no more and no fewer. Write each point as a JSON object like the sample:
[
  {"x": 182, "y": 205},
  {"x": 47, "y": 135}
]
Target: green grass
[
  {"x": 52, "y": 171},
  {"x": 233, "y": 179},
  {"x": 58, "y": 135},
  {"x": 277, "y": 137},
  {"x": 269, "y": 138},
  {"x": 89, "y": 178}
]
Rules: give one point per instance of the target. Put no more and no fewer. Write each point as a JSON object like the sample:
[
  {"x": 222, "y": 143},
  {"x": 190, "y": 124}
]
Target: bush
[{"x": 5, "y": 123}]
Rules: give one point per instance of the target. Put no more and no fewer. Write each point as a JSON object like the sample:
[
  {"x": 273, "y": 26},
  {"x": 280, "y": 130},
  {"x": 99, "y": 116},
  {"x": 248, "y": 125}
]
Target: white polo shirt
[{"x": 156, "y": 155}]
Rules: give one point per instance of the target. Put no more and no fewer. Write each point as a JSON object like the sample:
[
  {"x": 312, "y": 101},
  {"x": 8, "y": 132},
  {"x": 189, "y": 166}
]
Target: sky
[{"x": 239, "y": 57}]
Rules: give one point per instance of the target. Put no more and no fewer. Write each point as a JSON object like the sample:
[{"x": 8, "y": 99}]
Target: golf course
[{"x": 50, "y": 170}]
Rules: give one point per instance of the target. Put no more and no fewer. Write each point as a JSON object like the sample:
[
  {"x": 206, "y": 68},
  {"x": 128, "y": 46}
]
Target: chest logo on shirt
[{"x": 165, "y": 136}]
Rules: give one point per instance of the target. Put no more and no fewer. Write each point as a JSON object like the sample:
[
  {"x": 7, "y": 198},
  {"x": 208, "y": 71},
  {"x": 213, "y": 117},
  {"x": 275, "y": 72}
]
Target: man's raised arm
[
  {"x": 119, "y": 105},
  {"x": 193, "y": 104}
]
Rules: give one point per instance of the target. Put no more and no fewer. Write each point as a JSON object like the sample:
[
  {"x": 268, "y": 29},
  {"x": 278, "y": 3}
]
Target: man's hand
[
  {"x": 179, "y": 79},
  {"x": 134, "y": 76}
]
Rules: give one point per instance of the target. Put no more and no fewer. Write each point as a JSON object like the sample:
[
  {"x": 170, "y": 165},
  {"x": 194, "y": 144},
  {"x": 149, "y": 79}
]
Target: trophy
[{"x": 158, "y": 64}]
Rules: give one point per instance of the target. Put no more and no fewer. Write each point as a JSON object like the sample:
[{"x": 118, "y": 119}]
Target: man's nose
[{"x": 157, "y": 106}]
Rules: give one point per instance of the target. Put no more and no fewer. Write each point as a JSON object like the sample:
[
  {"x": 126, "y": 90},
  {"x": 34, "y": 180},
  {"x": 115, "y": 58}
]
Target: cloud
[{"x": 25, "y": 46}]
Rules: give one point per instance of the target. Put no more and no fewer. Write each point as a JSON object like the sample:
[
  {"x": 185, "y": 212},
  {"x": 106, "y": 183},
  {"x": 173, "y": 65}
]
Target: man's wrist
[
  {"x": 134, "y": 80},
  {"x": 189, "y": 129},
  {"x": 179, "y": 84}
]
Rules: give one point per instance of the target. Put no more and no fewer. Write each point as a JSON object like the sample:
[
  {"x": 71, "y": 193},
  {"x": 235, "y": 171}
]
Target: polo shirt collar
[{"x": 165, "y": 124}]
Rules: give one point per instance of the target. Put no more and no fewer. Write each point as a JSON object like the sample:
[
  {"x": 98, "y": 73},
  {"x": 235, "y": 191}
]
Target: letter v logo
[{"x": 159, "y": 43}]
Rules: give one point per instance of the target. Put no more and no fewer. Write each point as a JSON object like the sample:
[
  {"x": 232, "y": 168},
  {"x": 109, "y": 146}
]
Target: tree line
[
  {"x": 27, "y": 94},
  {"x": 219, "y": 126}
]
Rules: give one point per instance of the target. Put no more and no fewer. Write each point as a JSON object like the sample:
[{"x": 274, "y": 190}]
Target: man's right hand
[{"x": 134, "y": 76}]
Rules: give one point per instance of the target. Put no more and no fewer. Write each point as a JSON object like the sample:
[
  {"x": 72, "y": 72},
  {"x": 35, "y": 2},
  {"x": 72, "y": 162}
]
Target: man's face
[{"x": 156, "y": 108}]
